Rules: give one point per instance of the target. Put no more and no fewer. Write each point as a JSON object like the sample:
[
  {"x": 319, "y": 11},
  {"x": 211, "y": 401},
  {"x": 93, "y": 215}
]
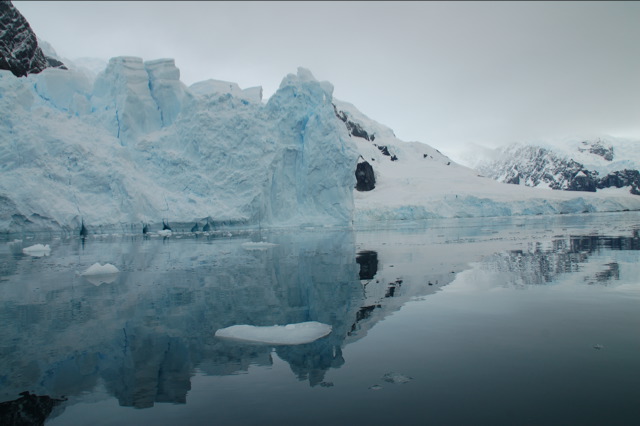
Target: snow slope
[{"x": 422, "y": 183}]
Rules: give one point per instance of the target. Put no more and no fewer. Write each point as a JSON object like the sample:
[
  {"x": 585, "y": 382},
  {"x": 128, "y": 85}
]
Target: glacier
[
  {"x": 135, "y": 146},
  {"x": 132, "y": 148},
  {"x": 138, "y": 147}
]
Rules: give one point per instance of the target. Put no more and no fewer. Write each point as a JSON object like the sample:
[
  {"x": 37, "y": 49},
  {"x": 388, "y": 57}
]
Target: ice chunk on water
[
  {"x": 164, "y": 233},
  {"x": 98, "y": 269},
  {"x": 261, "y": 245},
  {"x": 37, "y": 250},
  {"x": 393, "y": 377},
  {"x": 290, "y": 334},
  {"x": 98, "y": 274}
]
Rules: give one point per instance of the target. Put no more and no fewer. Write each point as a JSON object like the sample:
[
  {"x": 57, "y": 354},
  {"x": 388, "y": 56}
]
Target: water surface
[{"x": 476, "y": 321}]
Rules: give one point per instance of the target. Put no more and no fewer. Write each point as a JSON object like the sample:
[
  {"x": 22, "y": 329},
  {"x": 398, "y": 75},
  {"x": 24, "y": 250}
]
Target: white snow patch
[
  {"x": 290, "y": 334},
  {"x": 37, "y": 250}
]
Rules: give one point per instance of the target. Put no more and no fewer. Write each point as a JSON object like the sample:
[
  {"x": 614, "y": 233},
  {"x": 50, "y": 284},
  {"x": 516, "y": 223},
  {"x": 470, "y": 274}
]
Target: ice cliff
[{"x": 138, "y": 146}]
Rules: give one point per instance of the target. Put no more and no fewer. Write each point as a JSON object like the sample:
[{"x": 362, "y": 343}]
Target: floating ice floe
[
  {"x": 37, "y": 250},
  {"x": 260, "y": 245},
  {"x": 98, "y": 274},
  {"x": 290, "y": 334},
  {"x": 396, "y": 378},
  {"x": 164, "y": 233},
  {"x": 98, "y": 269}
]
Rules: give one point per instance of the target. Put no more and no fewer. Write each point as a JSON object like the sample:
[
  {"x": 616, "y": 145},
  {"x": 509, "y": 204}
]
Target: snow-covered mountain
[
  {"x": 572, "y": 164},
  {"x": 136, "y": 146},
  {"x": 19, "y": 50}
]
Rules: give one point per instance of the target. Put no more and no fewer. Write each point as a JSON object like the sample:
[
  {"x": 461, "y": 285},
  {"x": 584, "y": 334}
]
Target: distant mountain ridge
[{"x": 588, "y": 165}]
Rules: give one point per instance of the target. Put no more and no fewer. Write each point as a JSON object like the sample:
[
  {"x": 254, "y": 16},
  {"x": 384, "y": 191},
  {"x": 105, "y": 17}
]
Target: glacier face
[{"x": 138, "y": 146}]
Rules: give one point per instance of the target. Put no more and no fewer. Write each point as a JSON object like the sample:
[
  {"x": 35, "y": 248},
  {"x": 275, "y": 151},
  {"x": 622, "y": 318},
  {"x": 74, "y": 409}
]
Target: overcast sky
[{"x": 443, "y": 73}]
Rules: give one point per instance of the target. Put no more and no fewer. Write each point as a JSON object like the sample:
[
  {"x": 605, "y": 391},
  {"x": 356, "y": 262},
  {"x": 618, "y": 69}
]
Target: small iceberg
[
  {"x": 165, "y": 232},
  {"x": 98, "y": 274},
  {"x": 290, "y": 334},
  {"x": 98, "y": 269},
  {"x": 261, "y": 245},
  {"x": 37, "y": 250},
  {"x": 396, "y": 378}
]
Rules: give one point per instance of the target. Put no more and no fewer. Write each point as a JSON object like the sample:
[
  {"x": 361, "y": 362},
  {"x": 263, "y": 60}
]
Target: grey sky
[{"x": 444, "y": 73}]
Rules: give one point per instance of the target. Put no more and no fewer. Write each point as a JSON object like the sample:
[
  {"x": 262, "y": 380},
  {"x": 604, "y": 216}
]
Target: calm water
[{"x": 515, "y": 321}]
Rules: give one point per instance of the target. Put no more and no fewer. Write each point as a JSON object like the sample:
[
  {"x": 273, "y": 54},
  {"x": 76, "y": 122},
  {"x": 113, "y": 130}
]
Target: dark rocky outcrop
[
  {"x": 598, "y": 148},
  {"x": 354, "y": 128},
  {"x": 514, "y": 180},
  {"x": 621, "y": 178},
  {"x": 19, "y": 51},
  {"x": 29, "y": 409},
  {"x": 55, "y": 63},
  {"x": 583, "y": 181},
  {"x": 368, "y": 261},
  {"x": 366, "y": 179}
]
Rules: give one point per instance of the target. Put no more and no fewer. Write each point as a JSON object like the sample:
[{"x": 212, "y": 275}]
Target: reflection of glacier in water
[
  {"x": 143, "y": 336},
  {"x": 144, "y": 333}
]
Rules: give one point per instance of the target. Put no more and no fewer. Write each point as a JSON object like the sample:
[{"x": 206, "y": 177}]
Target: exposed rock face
[
  {"x": 582, "y": 181},
  {"x": 354, "y": 129},
  {"x": 366, "y": 179},
  {"x": 536, "y": 166},
  {"x": 598, "y": 148},
  {"x": 621, "y": 179},
  {"x": 19, "y": 51}
]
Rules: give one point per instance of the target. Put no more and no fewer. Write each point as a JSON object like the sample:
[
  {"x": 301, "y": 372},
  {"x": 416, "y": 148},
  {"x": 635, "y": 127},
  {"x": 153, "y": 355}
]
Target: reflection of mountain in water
[{"x": 542, "y": 264}]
